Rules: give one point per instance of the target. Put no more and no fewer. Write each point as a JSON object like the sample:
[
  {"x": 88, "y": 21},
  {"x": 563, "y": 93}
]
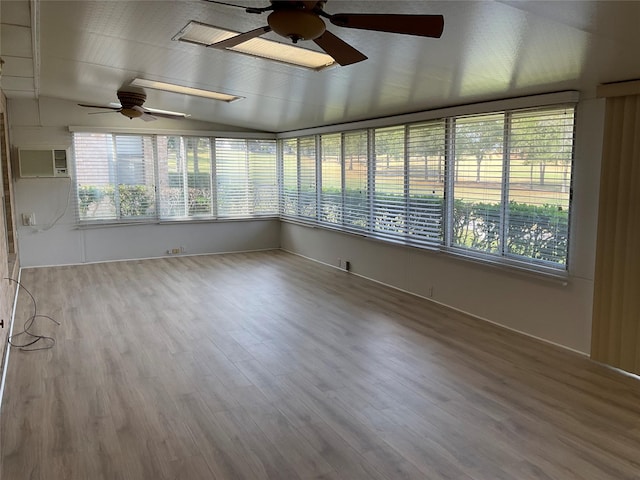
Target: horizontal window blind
[
  {"x": 356, "y": 204},
  {"x": 184, "y": 174},
  {"x": 425, "y": 174},
  {"x": 115, "y": 177},
  {"x": 331, "y": 178},
  {"x": 477, "y": 183},
  {"x": 494, "y": 185},
  {"x": 389, "y": 206},
  {"x": 539, "y": 187},
  {"x": 263, "y": 177},
  {"x": 307, "y": 200},
  {"x": 246, "y": 177},
  {"x": 289, "y": 195},
  {"x": 197, "y": 177}
]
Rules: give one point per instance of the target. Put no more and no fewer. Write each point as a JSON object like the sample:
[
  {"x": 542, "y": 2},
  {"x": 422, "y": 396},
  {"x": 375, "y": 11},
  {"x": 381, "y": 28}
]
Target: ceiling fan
[
  {"x": 302, "y": 20},
  {"x": 131, "y": 106}
]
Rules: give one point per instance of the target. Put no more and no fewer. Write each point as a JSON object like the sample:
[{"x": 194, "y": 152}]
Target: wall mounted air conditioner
[{"x": 42, "y": 163}]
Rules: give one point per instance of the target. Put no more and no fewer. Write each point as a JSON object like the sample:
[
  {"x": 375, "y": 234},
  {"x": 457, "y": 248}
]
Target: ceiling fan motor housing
[
  {"x": 296, "y": 24},
  {"x": 131, "y": 99}
]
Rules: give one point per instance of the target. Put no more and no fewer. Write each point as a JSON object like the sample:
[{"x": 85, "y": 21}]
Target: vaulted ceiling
[{"x": 83, "y": 51}]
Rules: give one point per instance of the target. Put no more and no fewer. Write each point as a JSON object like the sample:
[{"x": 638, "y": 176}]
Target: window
[
  {"x": 331, "y": 178},
  {"x": 246, "y": 178},
  {"x": 115, "y": 179},
  {"x": 356, "y": 204},
  {"x": 184, "y": 172},
  {"x": 197, "y": 177},
  {"x": 495, "y": 186},
  {"x": 477, "y": 183},
  {"x": 299, "y": 178}
]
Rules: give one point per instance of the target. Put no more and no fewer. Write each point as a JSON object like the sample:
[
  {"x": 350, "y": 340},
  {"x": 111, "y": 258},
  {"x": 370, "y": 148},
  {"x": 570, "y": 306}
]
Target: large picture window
[
  {"x": 116, "y": 177},
  {"x": 495, "y": 186},
  {"x": 122, "y": 178}
]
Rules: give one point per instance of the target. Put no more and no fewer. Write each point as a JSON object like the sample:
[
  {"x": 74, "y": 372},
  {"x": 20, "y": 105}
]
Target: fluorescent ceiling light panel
[
  {"x": 170, "y": 87},
  {"x": 203, "y": 34}
]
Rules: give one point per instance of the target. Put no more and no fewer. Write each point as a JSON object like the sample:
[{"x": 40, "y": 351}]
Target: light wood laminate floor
[{"x": 267, "y": 365}]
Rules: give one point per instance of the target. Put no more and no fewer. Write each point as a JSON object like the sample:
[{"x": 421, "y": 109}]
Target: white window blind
[
  {"x": 263, "y": 177},
  {"x": 307, "y": 200},
  {"x": 184, "y": 173},
  {"x": 426, "y": 175},
  {"x": 299, "y": 188},
  {"x": 115, "y": 177},
  {"x": 356, "y": 211},
  {"x": 198, "y": 177},
  {"x": 331, "y": 178},
  {"x": 232, "y": 172},
  {"x": 289, "y": 195},
  {"x": 540, "y": 157},
  {"x": 246, "y": 177},
  {"x": 389, "y": 196},
  {"x": 477, "y": 183},
  {"x": 494, "y": 185}
]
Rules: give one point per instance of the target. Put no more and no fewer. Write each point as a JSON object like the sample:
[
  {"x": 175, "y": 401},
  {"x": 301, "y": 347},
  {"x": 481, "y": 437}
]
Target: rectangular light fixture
[
  {"x": 170, "y": 87},
  {"x": 203, "y": 34}
]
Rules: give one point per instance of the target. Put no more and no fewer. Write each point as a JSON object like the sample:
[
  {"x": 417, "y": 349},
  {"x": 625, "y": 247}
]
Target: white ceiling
[{"x": 489, "y": 50}]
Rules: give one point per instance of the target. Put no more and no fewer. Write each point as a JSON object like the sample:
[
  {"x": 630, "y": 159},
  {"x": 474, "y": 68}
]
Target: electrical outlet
[{"x": 28, "y": 219}]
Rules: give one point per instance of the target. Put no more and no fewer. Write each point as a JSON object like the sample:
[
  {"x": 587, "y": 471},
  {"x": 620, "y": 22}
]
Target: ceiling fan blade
[
  {"x": 162, "y": 113},
  {"x": 341, "y": 51},
  {"x": 167, "y": 115},
  {"x": 99, "y": 106},
  {"x": 99, "y": 113},
  {"x": 147, "y": 117},
  {"x": 420, "y": 25},
  {"x": 241, "y": 38}
]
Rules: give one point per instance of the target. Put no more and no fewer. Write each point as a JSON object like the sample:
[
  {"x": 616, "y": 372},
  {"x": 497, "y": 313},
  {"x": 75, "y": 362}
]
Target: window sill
[{"x": 112, "y": 224}]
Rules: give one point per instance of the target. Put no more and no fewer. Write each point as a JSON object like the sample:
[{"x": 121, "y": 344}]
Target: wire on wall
[
  {"x": 64, "y": 211},
  {"x": 28, "y": 340}
]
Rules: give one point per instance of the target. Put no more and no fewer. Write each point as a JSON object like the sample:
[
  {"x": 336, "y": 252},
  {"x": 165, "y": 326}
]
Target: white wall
[
  {"x": 44, "y": 123},
  {"x": 542, "y": 308}
]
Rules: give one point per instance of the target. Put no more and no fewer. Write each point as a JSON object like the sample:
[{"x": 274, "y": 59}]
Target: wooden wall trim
[{"x": 618, "y": 89}]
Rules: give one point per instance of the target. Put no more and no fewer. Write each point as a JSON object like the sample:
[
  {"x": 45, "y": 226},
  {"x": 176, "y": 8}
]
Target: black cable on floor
[{"x": 33, "y": 338}]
